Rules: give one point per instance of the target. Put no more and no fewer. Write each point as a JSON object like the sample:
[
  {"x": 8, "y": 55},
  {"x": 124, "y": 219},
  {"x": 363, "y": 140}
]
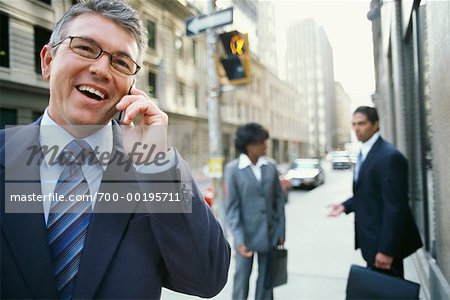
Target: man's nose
[{"x": 101, "y": 66}]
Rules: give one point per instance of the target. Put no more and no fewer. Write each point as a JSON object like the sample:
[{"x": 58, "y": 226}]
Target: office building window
[
  {"x": 179, "y": 47},
  {"x": 181, "y": 93},
  {"x": 196, "y": 97},
  {"x": 41, "y": 37},
  {"x": 151, "y": 28},
  {"x": 7, "y": 117},
  {"x": 152, "y": 84},
  {"x": 194, "y": 51},
  {"x": 4, "y": 41}
]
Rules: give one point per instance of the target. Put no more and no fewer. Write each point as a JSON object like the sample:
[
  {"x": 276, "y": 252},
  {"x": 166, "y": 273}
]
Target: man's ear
[{"x": 46, "y": 61}]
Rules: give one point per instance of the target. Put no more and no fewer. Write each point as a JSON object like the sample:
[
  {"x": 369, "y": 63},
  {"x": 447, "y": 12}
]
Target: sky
[{"x": 350, "y": 35}]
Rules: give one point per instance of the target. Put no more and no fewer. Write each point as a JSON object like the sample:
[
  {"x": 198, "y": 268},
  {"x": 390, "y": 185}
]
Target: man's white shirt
[{"x": 367, "y": 146}]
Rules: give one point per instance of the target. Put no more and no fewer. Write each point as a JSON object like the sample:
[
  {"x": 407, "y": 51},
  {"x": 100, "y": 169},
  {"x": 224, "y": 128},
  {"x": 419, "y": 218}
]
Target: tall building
[
  {"x": 343, "y": 117},
  {"x": 309, "y": 68},
  {"x": 267, "y": 45},
  {"x": 257, "y": 18},
  {"x": 245, "y": 19},
  {"x": 267, "y": 99}
]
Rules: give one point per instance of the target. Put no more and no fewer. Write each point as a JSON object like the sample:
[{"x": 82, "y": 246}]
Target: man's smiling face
[{"x": 85, "y": 91}]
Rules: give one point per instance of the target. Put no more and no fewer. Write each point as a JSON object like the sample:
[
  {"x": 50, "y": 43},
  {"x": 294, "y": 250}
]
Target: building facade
[
  {"x": 309, "y": 68},
  {"x": 274, "y": 104},
  {"x": 412, "y": 53},
  {"x": 173, "y": 74},
  {"x": 343, "y": 117}
]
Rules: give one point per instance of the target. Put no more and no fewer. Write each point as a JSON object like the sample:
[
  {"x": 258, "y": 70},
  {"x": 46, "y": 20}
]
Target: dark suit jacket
[
  {"x": 126, "y": 255},
  {"x": 383, "y": 218}
]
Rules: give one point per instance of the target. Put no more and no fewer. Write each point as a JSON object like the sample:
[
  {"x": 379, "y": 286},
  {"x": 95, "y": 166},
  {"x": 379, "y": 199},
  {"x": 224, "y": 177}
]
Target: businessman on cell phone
[{"x": 112, "y": 246}]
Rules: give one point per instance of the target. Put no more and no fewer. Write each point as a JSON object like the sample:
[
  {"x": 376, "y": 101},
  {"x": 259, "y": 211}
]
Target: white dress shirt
[
  {"x": 366, "y": 146},
  {"x": 244, "y": 161},
  {"x": 51, "y": 134}
]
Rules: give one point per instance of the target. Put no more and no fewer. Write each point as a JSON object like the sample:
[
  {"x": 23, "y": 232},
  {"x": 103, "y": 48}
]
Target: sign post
[{"x": 207, "y": 24}]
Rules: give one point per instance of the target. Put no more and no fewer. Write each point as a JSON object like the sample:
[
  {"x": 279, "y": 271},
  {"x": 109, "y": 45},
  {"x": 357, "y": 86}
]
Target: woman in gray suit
[{"x": 255, "y": 208}]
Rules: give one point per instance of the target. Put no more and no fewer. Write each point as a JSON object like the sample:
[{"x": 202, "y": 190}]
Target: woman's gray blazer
[{"x": 255, "y": 210}]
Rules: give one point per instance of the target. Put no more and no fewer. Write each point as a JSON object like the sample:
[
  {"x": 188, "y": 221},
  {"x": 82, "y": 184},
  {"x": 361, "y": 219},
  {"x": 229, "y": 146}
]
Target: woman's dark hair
[
  {"x": 369, "y": 112},
  {"x": 250, "y": 133}
]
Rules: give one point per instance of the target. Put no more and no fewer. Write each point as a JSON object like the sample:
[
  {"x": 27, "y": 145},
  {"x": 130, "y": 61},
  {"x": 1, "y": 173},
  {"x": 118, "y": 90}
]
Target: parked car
[
  {"x": 341, "y": 160},
  {"x": 307, "y": 173}
]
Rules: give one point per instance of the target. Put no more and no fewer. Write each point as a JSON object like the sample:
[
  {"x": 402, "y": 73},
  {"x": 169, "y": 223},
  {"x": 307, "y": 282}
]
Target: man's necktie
[
  {"x": 68, "y": 220},
  {"x": 358, "y": 165}
]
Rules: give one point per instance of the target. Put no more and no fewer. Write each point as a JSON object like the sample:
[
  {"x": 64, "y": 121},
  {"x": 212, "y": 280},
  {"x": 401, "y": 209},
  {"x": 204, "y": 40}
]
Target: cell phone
[
  {"x": 121, "y": 117},
  {"x": 121, "y": 113}
]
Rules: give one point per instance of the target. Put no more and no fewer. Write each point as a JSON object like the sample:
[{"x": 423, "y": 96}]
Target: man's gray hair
[{"x": 118, "y": 11}]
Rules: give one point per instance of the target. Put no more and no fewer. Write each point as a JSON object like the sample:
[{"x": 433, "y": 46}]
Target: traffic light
[{"x": 235, "y": 60}]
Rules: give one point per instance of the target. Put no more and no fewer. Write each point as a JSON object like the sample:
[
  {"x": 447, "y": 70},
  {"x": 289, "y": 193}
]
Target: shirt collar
[
  {"x": 367, "y": 145},
  {"x": 244, "y": 161},
  {"x": 51, "y": 134}
]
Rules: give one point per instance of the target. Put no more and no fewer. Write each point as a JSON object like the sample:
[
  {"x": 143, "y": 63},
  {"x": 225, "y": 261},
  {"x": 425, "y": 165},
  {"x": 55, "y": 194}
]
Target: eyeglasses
[{"x": 89, "y": 49}]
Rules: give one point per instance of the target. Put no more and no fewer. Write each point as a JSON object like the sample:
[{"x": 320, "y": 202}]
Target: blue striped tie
[{"x": 68, "y": 220}]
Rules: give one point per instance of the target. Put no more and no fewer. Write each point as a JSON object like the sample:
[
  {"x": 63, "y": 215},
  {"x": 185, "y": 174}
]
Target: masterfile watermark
[
  {"x": 57, "y": 156},
  {"x": 128, "y": 169}
]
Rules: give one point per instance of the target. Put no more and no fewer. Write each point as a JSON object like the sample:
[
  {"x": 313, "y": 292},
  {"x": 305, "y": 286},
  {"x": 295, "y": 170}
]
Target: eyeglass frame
[{"x": 138, "y": 67}]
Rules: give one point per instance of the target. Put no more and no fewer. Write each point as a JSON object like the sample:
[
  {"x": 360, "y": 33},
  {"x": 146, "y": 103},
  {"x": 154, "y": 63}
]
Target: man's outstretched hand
[{"x": 336, "y": 210}]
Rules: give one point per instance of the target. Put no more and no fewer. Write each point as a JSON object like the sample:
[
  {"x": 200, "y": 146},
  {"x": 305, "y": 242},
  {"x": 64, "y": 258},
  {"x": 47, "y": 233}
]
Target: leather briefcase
[
  {"x": 364, "y": 283},
  {"x": 276, "y": 268}
]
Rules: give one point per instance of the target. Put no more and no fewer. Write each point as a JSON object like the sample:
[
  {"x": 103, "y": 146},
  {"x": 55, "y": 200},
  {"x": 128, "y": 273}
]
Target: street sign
[{"x": 196, "y": 25}]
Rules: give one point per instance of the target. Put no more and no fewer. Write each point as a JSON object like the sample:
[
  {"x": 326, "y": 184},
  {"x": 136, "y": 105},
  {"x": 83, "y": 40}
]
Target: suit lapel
[
  {"x": 248, "y": 173},
  {"x": 105, "y": 234},
  {"x": 369, "y": 158},
  {"x": 264, "y": 175},
  {"x": 26, "y": 233}
]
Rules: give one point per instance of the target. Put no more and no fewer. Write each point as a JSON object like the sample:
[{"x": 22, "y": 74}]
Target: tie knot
[{"x": 77, "y": 152}]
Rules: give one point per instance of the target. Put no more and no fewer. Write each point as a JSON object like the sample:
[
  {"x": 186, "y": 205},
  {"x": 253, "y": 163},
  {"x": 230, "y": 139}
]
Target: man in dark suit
[
  {"x": 255, "y": 208},
  {"x": 384, "y": 226},
  {"x": 92, "y": 209}
]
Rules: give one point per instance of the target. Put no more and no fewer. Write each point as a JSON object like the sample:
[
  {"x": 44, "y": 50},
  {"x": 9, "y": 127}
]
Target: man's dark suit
[
  {"x": 126, "y": 255},
  {"x": 383, "y": 218}
]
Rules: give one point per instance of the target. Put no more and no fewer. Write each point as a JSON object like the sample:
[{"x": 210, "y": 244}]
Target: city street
[
  {"x": 320, "y": 248},
  {"x": 353, "y": 84}
]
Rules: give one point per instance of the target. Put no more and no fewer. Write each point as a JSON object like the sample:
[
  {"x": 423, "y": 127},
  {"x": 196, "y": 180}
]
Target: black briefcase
[
  {"x": 364, "y": 283},
  {"x": 276, "y": 268}
]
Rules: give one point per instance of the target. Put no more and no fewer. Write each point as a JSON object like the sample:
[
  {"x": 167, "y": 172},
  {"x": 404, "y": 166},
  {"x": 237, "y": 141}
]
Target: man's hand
[
  {"x": 244, "y": 251},
  {"x": 150, "y": 138},
  {"x": 383, "y": 261},
  {"x": 336, "y": 210},
  {"x": 285, "y": 185}
]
